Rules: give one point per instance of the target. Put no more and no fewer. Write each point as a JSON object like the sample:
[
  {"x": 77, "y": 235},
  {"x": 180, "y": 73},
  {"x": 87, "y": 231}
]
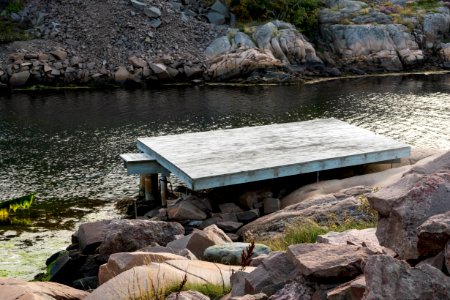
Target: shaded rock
[
  {"x": 195, "y": 242},
  {"x": 187, "y": 295},
  {"x": 230, "y": 253},
  {"x": 229, "y": 226},
  {"x": 218, "y": 46},
  {"x": 259, "y": 296},
  {"x": 86, "y": 283},
  {"x": 243, "y": 40},
  {"x": 435, "y": 26},
  {"x": 249, "y": 199},
  {"x": 436, "y": 261},
  {"x": 447, "y": 257},
  {"x": 352, "y": 290},
  {"x": 130, "y": 235},
  {"x": 364, "y": 237},
  {"x": 193, "y": 72},
  {"x": 294, "y": 290},
  {"x": 185, "y": 210},
  {"x": 389, "y": 278},
  {"x": 269, "y": 277},
  {"x": 152, "y": 12},
  {"x": 155, "y": 23},
  {"x": 263, "y": 35},
  {"x": 271, "y": 205},
  {"x": 434, "y": 234},
  {"x": 122, "y": 261},
  {"x": 121, "y": 75},
  {"x": 160, "y": 70},
  {"x": 139, "y": 282},
  {"x": 65, "y": 267},
  {"x": 247, "y": 216},
  {"x": 91, "y": 235},
  {"x": 229, "y": 208},
  {"x": 216, "y": 235},
  {"x": 19, "y": 79},
  {"x": 215, "y": 18},
  {"x": 328, "y": 261},
  {"x": 407, "y": 204},
  {"x": 19, "y": 289}
]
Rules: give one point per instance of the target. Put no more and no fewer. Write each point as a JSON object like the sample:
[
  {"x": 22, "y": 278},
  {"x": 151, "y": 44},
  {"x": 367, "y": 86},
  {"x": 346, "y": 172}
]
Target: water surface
[{"x": 64, "y": 145}]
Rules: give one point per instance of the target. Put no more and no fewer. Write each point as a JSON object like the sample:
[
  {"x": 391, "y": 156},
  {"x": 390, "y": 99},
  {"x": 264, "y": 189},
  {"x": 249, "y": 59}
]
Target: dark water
[{"x": 64, "y": 145}]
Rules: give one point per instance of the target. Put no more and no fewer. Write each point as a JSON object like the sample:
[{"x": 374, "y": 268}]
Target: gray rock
[
  {"x": 434, "y": 27},
  {"x": 271, "y": 205},
  {"x": 436, "y": 261},
  {"x": 230, "y": 253},
  {"x": 220, "y": 8},
  {"x": 389, "y": 278},
  {"x": 138, "y": 5},
  {"x": 294, "y": 290},
  {"x": 364, "y": 237},
  {"x": 247, "y": 216},
  {"x": 160, "y": 70},
  {"x": 155, "y": 23},
  {"x": 218, "y": 46},
  {"x": 243, "y": 40},
  {"x": 121, "y": 75},
  {"x": 59, "y": 54},
  {"x": 192, "y": 73},
  {"x": 407, "y": 204},
  {"x": 434, "y": 234},
  {"x": 19, "y": 79},
  {"x": 137, "y": 62},
  {"x": 328, "y": 261},
  {"x": 131, "y": 235},
  {"x": 259, "y": 296},
  {"x": 158, "y": 249},
  {"x": 216, "y": 235},
  {"x": 215, "y": 18},
  {"x": 263, "y": 35},
  {"x": 229, "y": 226},
  {"x": 152, "y": 12}
]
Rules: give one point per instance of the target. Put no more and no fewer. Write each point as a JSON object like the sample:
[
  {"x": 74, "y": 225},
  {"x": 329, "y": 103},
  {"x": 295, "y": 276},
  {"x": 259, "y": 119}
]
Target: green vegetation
[
  {"x": 14, "y": 204},
  {"x": 11, "y": 31},
  {"x": 301, "y": 13},
  {"x": 213, "y": 291},
  {"x": 14, "y": 6},
  {"x": 428, "y": 5},
  {"x": 308, "y": 230}
]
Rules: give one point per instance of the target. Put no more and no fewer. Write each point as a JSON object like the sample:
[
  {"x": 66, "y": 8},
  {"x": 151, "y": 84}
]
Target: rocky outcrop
[
  {"x": 12, "y": 289},
  {"x": 388, "y": 278},
  {"x": 407, "y": 204},
  {"x": 364, "y": 237},
  {"x": 434, "y": 234}
]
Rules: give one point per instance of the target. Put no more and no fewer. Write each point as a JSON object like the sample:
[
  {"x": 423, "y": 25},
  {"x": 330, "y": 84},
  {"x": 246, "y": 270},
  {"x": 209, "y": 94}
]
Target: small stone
[
  {"x": 229, "y": 226},
  {"x": 137, "y": 62},
  {"x": 152, "y": 12},
  {"x": 59, "y": 54},
  {"x": 155, "y": 23},
  {"x": 138, "y": 5},
  {"x": 19, "y": 79}
]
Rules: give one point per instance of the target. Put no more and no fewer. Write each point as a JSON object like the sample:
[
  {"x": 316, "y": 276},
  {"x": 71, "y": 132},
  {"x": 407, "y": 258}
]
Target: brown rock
[
  {"x": 14, "y": 57},
  {"x": 229, "y": 226},
  {"x": 131, "y": 235},
  {"x": 161, "y": 249},
  {"x": 389, "y": 278},
  {"x": 121, "y": 75},
  {"x": 327, "y": 261},
  {"x": 353, "y": 290},
  {"x": 436, "y": 261},
  {"x": 249, "y": 199},
  {"x": 195, "y": 242},
  {"x": 137, "y": 62},
  {"x": 259, "y": 296},
  {"x": 19, "y": 79},
  {"x": 185, "y": 210},
  {"x": 271, "y": 205},
  {"x": 364, "y": 237},
  {"x": 120, "y": 262},
  {"x": 91, "y": 235},
  {"x": 434, "y": 234},
  {"x": 59, "y": 54},
  {"x": 43, "y": 57},
  {"x": 216, "y": 235},
  {"x": 12, "y": 289},
  {"x": 447, "y": 256},
  {"x": 407, "y": 204}
]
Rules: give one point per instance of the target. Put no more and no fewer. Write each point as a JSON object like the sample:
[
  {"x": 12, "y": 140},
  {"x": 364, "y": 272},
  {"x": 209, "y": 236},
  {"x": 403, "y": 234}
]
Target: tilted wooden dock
[{"x": 217, "y": 158}]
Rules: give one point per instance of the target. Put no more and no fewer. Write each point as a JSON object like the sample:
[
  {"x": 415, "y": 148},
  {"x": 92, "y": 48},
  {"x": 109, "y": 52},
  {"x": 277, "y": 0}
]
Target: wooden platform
[{"x": 224, "y": 157}]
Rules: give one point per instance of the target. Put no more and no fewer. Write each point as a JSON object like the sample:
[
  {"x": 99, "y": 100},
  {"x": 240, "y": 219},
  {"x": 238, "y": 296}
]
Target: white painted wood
[
  {"x": 142, "y": 163},
  {"x": 223, "y": 157}
]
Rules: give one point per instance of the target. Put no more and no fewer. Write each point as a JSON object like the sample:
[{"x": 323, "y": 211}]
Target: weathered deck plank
[{"x": 224, "y": 157}]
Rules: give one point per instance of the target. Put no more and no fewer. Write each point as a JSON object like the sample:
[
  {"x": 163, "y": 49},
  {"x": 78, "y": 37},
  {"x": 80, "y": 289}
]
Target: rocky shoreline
[
  {"x": 144, "y": 44},
  {"x": 405, "y": 257}
]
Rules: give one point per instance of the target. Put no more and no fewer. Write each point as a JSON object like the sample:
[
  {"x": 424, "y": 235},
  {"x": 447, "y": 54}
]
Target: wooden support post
[
  {"x": 149, "y": 188},
  {"x": 142, "y": 185},
  {"x": 164, "y": 190},
  {"x": 155, "y": 186}
]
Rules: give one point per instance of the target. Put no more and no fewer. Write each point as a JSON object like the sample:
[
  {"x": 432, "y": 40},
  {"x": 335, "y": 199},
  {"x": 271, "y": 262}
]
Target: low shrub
[{"x": 11, "y": 31}]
